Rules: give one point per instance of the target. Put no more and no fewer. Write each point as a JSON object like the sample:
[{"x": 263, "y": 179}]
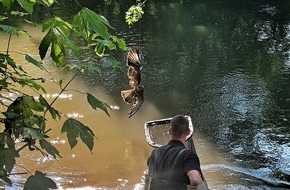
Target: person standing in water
[{"x": 173, "y": 166}]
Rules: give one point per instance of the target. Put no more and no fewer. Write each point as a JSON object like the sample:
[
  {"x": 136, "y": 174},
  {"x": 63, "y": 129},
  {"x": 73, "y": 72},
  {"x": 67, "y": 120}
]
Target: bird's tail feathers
[{"x": 128, "y": 95}]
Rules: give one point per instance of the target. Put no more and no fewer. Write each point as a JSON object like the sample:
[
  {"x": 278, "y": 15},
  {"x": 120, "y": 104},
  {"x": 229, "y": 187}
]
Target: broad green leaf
[
  {"x": 35, "y": 62},
  {"x": 121, "y": 42},
  {"x": 12, "y": 30},
  {"x": 33, "y": 133},
  {"x": 32, "y": 104},
  {"x": 107, "y": 43},
  {"x": 62, "y": 26},
  {"x": 88, "y": 23},
  {"x": 57, "y": 53},
  {"x": 39, "y": 181},
  {"x": 44, "y": 45},
  {"x": 8, "y": 4},
  {"x": 28, "y": 82},
  {"x": 27, "y": 5},
  {"x": 7, "y": 158},
  {"x": 75, "y": 129},
  {"x": 47, "y": 24},
  {"x": 49, "y": 148},
  {"x": 95, "y": 103}
]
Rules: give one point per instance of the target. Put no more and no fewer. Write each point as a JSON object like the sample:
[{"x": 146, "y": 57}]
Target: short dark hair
[{"x": 179, "y": 126}]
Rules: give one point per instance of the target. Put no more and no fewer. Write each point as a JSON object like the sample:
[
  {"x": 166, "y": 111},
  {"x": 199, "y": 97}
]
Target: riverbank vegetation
[{"x": 24, "y": 116}]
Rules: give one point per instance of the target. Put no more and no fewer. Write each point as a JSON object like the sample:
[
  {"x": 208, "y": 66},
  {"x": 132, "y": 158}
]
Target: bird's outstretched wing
[
  {"x": 133, "y": 57},
  {"x": 134, "y": 76},
  {"x": 137, "y": 100}
]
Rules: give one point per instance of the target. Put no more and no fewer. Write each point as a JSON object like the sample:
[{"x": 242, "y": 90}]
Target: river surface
[{"x": 224, "y": 63}]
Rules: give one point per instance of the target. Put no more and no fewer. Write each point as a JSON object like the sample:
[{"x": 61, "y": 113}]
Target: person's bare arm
[{"x": 194, "y": 177}]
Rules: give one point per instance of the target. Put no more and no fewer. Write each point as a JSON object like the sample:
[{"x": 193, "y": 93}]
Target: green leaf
[
  {"x": 87, "y": 23},
  {"x": 39, "y": 181},
  {"x": 100, "y": 50},
  {"x": 27, "y": 5},
  {"x": 44, "y": 45},
  {"x": 7, "y": 158},
  {"x": 121, "y": 42},
  {"x": 49, "y": 148},
  {"x": 95, "y": 103},
  {"x": 57, "y": 53},
  {"x": 12, "y": 30},
  {"x": 8, "y": 4},
  {"x": 32, "y": 104},
  {"x": 33, "y": 133},
  {"x": 75, "y": 129},
  {"x": 35, "y": 62}
]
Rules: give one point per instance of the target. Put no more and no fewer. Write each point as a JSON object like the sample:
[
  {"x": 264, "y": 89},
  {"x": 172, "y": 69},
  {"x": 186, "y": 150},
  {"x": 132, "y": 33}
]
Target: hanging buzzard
[{"x": 136, "y": 94}]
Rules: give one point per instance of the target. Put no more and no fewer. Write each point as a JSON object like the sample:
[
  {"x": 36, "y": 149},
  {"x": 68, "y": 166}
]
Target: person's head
[{"x": 179, "y": 127}]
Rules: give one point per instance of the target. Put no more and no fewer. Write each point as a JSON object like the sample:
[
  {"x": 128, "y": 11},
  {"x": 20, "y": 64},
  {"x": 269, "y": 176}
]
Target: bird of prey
[{"x": 136, "y": 94}]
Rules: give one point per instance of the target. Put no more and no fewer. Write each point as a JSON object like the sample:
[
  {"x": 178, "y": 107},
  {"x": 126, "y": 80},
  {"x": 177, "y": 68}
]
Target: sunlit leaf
[
  {"x": 75, "y": 129},
  {"x": 7, "y": 158},
  {"x": 62, "y": 26},
  {"x": 49, "y": 148},
  {"x": 87, "y": 23},
  {"x": 100, "y": 50},
  {"x": 95, "y": 103},
  {"x": 27, "y": 5},
  {"x": 57, "y": 53},
  {"x": 39, "y": 181},
  {"x": 134, "y": 14},
  {"x": 121, "y": 42}
]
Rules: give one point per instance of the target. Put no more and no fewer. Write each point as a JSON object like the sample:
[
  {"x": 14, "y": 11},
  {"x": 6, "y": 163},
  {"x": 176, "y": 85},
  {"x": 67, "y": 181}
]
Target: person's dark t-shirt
[{"x": 164, "y": 165}]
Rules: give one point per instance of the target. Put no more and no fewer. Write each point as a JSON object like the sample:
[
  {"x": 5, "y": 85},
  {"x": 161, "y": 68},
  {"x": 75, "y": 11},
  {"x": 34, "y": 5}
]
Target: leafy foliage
[
  {"x": 74, "y": 128},
  {"x": 134, "y": 14},
  {"x": 24, "y": 118},
  {"x": 39, "y": 181},
  {"x": 95, "y": 103}
]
